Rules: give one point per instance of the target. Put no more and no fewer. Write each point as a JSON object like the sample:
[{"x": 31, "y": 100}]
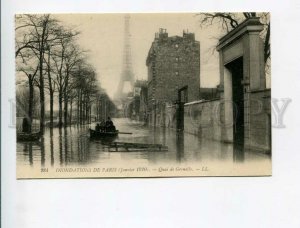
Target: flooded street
[{"x": 72, "y": 146}]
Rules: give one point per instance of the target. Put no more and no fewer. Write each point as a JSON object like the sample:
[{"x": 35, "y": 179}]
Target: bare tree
[
  {"x": 73, "y": 57},
  {"x": 65, "y": 56},
  {"x": 85, "y": 87},
  {"x": 34, "y": 32},
  {"x": 38, "y": 33},
  {"x": 229, "y": 21},
  {"x": 56, "y": 64},
  {"x": 50, "y": 85},
  {"x": 28, "y": 66}
]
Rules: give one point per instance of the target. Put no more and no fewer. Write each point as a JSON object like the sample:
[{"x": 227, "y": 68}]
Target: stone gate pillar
[{"x": 241, "y": 55}]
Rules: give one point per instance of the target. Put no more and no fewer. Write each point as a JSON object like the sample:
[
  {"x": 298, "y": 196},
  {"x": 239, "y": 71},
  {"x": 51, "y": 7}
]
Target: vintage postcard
[{"x": 143, "y": 95}]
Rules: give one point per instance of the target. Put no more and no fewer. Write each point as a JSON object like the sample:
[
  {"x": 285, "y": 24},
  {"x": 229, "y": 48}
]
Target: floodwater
[{"x": 72, "y": 146}]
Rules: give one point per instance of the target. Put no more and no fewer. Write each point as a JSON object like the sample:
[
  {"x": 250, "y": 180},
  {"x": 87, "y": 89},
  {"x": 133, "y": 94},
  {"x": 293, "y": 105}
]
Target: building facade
[
  {"x": 138, "y": 105},
  {"x": 173, "y": 62}
]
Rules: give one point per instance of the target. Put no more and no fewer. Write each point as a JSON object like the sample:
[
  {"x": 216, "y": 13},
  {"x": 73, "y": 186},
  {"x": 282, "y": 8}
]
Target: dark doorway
[
  {"x": 179, "y": 116},
  {"x": 236, "y": 69}
]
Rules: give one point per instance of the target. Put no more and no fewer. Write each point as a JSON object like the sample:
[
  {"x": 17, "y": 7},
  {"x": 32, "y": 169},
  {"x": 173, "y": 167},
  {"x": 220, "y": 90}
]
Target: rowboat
[
  {"x": 21, "y": 136},
  {"x": 102, "y": 134}
]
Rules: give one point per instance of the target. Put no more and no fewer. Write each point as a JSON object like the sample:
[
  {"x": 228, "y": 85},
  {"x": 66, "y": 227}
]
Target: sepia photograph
[
  {"x": 143, "y": 95},
  {"x": 150, "y": 114}
]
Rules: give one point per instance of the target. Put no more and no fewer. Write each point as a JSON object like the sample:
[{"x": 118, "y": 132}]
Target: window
[{"x": 176, "y": 45}]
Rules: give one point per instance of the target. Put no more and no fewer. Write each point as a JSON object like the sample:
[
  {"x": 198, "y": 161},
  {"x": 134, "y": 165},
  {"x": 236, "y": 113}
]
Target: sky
[{"x": 103, "y": 34}]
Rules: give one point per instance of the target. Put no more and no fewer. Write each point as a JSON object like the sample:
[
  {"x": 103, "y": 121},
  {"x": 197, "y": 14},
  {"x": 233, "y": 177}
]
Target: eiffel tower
[{"x": 127, "y": 74}]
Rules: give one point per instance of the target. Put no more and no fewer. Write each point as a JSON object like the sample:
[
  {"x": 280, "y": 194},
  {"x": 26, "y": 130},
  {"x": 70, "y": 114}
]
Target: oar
[{"x": 125, "y": 133}]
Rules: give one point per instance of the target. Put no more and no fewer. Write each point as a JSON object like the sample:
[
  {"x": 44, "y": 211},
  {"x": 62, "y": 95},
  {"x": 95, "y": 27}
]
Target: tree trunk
[
  {"x": 65, "y": 110},
  {"x": 98, "y": 111},
  {"x": 51, "y": 108},
  {"x": 66, "y": 98},
  {"x": 83, "y": 111},
  {"x": 87, "y": 113},
  {"x": 71, "y": 107},
  {"x": 60, "y": 123},
  {"x": 42, "y": 94},
  {"x": 90, "y": 113},
  {"x": 51, "y": 91},
  {"x": 30, "y": 109},
  {"x": 78, "y": 102},
  {"x": 80, "y": 108},
  {"x": 41, "y": 87}
]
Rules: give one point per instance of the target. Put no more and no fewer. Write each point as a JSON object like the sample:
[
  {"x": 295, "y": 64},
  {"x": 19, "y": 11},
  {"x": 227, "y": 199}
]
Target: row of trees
[{"x": 49, "y": 59}]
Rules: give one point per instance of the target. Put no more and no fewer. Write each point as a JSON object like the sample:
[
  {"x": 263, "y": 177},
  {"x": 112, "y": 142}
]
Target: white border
[{"x": 175, "y": 202}]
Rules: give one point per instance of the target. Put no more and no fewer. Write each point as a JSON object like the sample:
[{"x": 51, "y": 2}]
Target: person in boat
[
  {"x": 109, "y": 125},
  {"x": 25, "y": 125},
  {"x": 98, "y": 128},
  {"x": 102, "y": 126}
]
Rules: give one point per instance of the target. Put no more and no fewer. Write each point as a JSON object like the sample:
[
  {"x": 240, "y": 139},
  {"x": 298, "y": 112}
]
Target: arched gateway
[{"x": 245, "y": 111}]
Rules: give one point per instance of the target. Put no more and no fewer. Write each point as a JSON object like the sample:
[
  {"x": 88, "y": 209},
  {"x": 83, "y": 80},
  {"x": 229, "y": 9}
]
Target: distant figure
[
  {"x": 109, "y": 125},
  {"x": 25, "y": 125},
  {"x": 98, "y": 128}
]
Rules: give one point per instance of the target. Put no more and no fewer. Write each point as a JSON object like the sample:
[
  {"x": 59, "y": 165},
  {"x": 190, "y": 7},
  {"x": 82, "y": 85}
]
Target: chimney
[
  {"x": 163, "y": 34},
  {"x": 188, "y": 36}
]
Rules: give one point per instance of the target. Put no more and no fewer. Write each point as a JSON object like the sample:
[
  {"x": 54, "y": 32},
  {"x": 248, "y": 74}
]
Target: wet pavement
[{"x": 73, "y": 146}]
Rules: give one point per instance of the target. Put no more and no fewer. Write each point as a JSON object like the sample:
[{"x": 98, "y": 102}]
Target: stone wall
[
  {"x": 200, "y": 118},
  {"x": 204, "y": 118},
  {"x": 258, "y": 121}
]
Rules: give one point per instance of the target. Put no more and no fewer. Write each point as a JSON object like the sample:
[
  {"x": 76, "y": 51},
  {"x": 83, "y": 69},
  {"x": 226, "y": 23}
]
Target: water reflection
[
  {"x": 179, "y": 146},
  {"x": 60, "y": 146},
  {"x": 28, "y": 151},
  {"x": 66, "y": 144},
  {"x": 43, "y": 159},
  {"x": 238, "y": 153},
  {"x": 72, "y": 146},
  {"x": 51, "y": 147}
]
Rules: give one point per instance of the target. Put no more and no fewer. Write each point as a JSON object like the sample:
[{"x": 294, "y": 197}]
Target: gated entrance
[
  {"x": 236, "y": 69},
  {"x": 243, "y": 88}
]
